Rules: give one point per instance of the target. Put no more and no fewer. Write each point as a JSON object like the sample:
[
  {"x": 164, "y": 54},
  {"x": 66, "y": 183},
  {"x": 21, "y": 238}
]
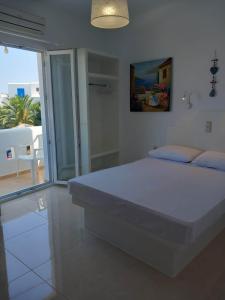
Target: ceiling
[
  {"x": 136, "y": 7},
  {"x": 83, "y": 7}
]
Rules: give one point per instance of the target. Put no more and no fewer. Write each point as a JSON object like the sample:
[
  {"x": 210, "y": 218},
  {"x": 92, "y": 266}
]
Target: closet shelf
[
  {"x": 102, "y": 76},
  {"x": 106, "y": 153}
]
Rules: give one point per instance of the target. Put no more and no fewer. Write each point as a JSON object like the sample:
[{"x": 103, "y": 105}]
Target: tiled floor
[
  {"x": 45, "y": 253},
  {"x": 15, "y": 183}
]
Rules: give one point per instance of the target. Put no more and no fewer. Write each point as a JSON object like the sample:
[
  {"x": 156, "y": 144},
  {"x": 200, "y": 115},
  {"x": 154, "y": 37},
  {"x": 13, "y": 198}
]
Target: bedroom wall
[{"x": 189, "y": 31}]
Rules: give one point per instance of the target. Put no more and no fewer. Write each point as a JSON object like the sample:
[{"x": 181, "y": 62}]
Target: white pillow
[
  {"x": 211, "y": 159},
  {"x": 175, "y": 153}
]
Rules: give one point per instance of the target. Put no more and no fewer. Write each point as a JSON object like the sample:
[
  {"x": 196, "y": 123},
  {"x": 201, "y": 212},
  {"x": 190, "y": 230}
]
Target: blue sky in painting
[
  {"x": 146, "y": 72},
  {"x": 17, "y": 66}
]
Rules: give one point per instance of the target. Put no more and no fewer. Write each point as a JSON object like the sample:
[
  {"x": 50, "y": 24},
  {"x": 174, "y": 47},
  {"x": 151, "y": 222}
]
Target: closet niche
[{"x": 98, "y": 106}]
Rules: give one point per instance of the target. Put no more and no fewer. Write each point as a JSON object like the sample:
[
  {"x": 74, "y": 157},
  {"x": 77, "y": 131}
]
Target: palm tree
[{"x": 19, "y": 110}]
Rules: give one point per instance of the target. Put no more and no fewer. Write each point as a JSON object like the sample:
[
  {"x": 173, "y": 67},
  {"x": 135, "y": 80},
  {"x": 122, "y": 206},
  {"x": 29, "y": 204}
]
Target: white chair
[{"x": 34, "y": 156}]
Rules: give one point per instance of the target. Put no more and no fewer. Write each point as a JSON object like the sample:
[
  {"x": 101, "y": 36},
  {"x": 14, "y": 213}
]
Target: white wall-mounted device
[{"x": 21, "y": 23}]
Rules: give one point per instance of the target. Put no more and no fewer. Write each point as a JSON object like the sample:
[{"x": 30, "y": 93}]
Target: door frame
[
  {"x": 33, "y": 188},
  {"x": 46, "y": 62}
]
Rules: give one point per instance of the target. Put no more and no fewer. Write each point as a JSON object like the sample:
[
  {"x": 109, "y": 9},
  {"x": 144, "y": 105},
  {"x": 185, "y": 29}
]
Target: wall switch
[{"x": 208, "y": 126}]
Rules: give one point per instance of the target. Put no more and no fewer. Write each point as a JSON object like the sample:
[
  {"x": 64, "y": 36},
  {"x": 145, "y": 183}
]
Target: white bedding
[{"x": 172, "y": 201}]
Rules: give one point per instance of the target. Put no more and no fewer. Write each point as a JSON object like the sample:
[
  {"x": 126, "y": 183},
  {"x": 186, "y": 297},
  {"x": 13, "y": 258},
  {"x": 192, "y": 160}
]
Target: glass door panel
[{"x": 63, "y": 112}]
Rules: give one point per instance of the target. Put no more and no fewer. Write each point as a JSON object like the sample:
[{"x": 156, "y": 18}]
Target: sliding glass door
[{"x": 63, "y": 114}]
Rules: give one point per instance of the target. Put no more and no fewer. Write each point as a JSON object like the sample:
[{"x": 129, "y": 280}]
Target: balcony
[{"x": 22, "y": 163}]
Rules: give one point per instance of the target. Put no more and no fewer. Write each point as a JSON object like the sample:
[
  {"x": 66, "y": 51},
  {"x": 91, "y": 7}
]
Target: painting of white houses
[{"x": 150, "y": 86}]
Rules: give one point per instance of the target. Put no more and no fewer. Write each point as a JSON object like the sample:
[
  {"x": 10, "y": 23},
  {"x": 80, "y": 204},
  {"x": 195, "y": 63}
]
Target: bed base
[{"x": 164, "y": 256}]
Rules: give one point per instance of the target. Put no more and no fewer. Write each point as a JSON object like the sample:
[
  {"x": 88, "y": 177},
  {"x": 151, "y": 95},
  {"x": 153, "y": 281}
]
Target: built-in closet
[{"x": 98, "y": 107}]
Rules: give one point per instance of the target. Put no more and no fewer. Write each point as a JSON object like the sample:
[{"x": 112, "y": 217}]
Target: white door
[{"x": 62, "y": 108}]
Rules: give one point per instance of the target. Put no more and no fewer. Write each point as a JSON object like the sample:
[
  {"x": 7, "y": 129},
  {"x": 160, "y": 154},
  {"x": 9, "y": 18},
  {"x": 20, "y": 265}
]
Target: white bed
[{"x": 160, "y": 211}]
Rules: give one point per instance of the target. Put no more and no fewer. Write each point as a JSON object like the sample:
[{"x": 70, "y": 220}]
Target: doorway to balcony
[{"x": 23, "y": 134}]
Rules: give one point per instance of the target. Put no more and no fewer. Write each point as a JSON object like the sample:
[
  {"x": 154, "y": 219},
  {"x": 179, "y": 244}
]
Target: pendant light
[{"x": 109, "y": 14}]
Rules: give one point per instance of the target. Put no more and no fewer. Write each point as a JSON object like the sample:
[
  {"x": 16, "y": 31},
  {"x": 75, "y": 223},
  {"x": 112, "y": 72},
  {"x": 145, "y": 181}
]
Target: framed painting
[{"x": 150, "y": 86}]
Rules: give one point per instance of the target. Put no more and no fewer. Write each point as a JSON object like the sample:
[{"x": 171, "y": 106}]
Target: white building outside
[
  {"x": 3, "y": 97},
  {"x": 22, "y": 89}
]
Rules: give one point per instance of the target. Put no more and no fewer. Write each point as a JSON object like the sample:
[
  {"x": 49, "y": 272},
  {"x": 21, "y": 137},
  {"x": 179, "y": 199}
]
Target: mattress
[{"x": 172, "y": 201}]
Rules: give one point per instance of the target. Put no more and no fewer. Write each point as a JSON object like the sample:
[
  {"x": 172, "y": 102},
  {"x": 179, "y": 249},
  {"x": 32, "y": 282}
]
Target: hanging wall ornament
[{"x": 214, "y": 70}]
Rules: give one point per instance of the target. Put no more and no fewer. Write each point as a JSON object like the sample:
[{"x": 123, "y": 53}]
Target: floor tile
[
  {"x": 66, "y": 220},
  {"x": 41, "y": 292},
  {"x": 46, "y": 271},
  {"x": 14, "y": 267},
  {"x": 16, "y": 208},
  {"x": 78, "y": 261},
  {"x": 218, "y": 290},
  {"x": 23, "y": 284},
  {"x": 66, "y": 258},
  {"x": 19, "y": 225},
  {"x": 33, "y": 247},
  {"x": 37, "y": 202},
  {"x": 85, "y": 270}
]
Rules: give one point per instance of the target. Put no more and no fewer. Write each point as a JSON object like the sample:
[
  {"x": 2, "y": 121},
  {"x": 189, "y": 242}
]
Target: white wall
[
  {"x": 3, "y": 98},
  {"x": 12, "y": 88},
  {"x": 189, "y": 31},
  {"x": 29, "y": 88},
  {"x": 12, "y": 138}
]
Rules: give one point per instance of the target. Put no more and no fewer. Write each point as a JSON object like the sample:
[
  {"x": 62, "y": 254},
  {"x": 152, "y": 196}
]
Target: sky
[
  {"x": 143, "y": 69},
  {"x": 17, "y": 66}
]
